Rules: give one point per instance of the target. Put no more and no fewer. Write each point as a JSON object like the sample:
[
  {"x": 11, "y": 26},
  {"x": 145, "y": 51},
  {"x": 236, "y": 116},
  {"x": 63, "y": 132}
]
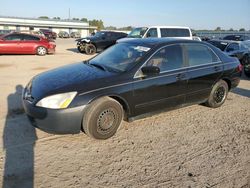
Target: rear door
[
  {"x": 29, "y": 43},
  {"x": 165, "y": 90},
  {"x": 204, "y": 70}
]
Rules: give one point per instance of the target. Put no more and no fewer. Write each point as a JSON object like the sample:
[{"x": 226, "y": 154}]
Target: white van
[{"x": 161, "y": 31}]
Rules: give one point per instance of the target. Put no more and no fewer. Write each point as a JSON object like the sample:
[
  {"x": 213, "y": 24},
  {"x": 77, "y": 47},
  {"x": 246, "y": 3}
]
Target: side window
[
  {"x": 13, "y": 37},
  {"x": 200, "y": 54},
  {"x": 173, "y": 32},
  {"x": 168, "y": 58},
  {"x": 152, "y": 33},
  {"x": 233, "y": 47},
  {"x": 108, "y": 35},
  {"x": 29, "y": 37}
]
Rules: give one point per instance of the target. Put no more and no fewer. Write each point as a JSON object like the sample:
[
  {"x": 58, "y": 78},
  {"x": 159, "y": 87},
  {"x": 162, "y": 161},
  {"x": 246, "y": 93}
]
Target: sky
[{"x": 196, "y": 14}]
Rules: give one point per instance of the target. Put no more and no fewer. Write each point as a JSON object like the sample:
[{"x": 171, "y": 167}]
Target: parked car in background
[
  {"x": 4, "y": 32},
  {"x": 127, "y": 81},
  {"x": 236, "y": 37},
  {"x": 75, "y": 35},
  {"x": 100, "y": 41},
  {"x": 161, "y": 32},
  {"x": 63, "y": 34},
  {"x": 197, "y": 38},
  {"x": 49, "y": 34},
  {"x": 239, "y": 49},
  {"x": 20, "y": 43}
]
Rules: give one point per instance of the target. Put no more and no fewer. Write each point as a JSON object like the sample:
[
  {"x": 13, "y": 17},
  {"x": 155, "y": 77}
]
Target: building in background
[{"x": 19, "y": 24}]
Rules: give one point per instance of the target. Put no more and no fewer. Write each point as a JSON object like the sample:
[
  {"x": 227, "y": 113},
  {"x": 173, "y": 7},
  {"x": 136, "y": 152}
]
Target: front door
[
  {"x": 11, "y": 44},
  {"x": 165, "y": 90}
]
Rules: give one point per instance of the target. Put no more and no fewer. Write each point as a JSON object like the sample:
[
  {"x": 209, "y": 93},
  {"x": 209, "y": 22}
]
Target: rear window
[
  {"x": 200, "y": 54},
  {"x": 218, "y": 44},
  {"x": 174, "y": 32}
]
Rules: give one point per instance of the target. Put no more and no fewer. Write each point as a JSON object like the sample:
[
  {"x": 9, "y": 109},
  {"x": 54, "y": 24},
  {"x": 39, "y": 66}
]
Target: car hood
[{"x": 66, "y": 79}]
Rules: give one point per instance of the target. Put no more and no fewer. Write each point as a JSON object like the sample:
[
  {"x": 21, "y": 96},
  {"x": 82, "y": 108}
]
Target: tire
[
  {"x": 102, "y": 118},
  {"x": 41, "y": 51},
  {"x": 218, "y": 94},
  {"x": 90, "y": 49},
  {"x": 247, "y": 70},
  {"x": 81, "y": 48}
]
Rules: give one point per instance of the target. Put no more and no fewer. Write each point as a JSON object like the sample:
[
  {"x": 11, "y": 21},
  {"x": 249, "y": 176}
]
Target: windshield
[
  {"x": 99, "y": 34},
  {"x": 137, "y": 32},
  {"x": 120, "y": 57}
]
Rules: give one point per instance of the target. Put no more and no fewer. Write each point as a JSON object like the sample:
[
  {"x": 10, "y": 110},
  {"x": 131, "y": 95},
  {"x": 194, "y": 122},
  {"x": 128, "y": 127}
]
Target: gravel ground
[{"x": 190, "y": 147}]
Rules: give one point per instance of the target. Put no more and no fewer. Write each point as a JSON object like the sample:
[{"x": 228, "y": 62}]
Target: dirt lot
[{"x": 189, "y": 147}]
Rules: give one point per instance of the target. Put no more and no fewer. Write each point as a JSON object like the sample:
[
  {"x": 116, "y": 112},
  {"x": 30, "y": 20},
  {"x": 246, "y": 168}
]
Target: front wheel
[
  {"x": 41, "y": 51},
  {"x": 81, "y": 48},
  {"x": 218, "y": 94},
  {"x": 90, "y": 49},
  {"x": 102, "y": 118}
]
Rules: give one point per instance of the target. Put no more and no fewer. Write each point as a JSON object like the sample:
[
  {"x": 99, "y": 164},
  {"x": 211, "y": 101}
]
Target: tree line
[{"x": 100, "y": 25}]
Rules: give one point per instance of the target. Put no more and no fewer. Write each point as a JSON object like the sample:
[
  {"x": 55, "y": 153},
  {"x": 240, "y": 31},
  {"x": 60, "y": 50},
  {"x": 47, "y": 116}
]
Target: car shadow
[
  {"x": 19, "y": 139},
  {"x": 242, "y": 92},
  {"x": 75, "y": 50}
]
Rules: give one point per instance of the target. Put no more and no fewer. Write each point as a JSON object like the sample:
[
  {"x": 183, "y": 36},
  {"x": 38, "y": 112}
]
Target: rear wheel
[
  {"x": 41, "y": 51},
  {"x": 247, "y": 69},
  {"x": 90, "y": 49},
  {"x": 102, "y": 118},
  {"x": 218, "y": 94}
]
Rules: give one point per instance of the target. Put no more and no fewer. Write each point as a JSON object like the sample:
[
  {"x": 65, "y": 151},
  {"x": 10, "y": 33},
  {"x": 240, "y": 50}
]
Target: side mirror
[{"x": 150, "y": 70}]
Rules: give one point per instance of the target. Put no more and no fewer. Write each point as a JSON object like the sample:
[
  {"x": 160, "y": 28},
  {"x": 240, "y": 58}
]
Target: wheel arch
[
  {"x": 228, "y": 81},
  {"x": 123, "y": 102}
]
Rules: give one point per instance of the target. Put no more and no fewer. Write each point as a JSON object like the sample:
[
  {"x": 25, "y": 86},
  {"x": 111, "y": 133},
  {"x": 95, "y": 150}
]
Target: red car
[{"x": 19, "y": 43}]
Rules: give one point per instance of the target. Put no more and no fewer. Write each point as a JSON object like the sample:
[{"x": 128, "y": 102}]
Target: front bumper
[{"x": 62, "y": 121}]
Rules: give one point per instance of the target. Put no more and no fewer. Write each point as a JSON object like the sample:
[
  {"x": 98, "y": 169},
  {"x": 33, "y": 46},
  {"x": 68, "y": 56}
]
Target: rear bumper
[
  {"x": 63, "y": 121},
  {"x": 51, "y": 50}
]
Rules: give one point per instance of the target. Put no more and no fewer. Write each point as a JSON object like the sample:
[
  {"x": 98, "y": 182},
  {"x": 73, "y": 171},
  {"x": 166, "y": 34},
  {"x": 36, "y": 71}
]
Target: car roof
[
  {"x": 151, "y": 42},
  {"x": 14, "y": 33},
  {"x": 226, "y": 41}
]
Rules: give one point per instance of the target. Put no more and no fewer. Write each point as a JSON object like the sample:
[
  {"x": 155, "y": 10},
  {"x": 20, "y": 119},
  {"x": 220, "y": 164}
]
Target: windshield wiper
[{"x": 98, "y": 66}]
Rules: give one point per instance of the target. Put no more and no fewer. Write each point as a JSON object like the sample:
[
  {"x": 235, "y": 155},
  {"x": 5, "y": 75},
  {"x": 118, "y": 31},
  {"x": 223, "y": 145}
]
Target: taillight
[{"x": 240, "y": 68}]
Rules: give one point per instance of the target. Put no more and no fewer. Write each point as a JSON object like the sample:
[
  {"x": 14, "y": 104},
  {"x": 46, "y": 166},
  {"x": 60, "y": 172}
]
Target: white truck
[{"x": 161, "y": 31}]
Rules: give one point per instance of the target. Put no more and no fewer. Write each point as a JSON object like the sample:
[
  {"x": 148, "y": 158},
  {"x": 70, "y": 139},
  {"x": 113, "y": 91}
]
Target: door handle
[
  {"x": 217, "y": 68},
  {"x": 180, "y": 76}
]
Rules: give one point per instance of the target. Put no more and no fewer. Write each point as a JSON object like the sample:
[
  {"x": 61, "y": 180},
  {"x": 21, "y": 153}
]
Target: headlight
[{"x": 59, "y": 101}]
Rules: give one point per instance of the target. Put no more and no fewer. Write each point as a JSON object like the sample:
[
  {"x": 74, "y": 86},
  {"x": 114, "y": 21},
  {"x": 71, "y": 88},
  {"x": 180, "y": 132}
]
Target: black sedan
[
  {"x": 239, "y": 49},
  {"x": 99, "y": 42},
  {"x": 128, "y": 81}
]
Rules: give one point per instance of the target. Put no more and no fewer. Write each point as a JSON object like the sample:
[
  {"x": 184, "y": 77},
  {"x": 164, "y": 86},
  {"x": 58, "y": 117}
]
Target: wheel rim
[
  {"x": 106, "y": 121},
  {"x": 90, "y": 49},
  {"x": 41, "y": 51},
  {"x": 247, "y": 68},
  {"x": 220, "y": 95}
]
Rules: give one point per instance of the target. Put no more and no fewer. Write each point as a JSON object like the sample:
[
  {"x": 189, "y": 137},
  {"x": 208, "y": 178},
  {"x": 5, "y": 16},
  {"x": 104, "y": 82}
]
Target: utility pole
[{"x": 69, "y": 13}]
